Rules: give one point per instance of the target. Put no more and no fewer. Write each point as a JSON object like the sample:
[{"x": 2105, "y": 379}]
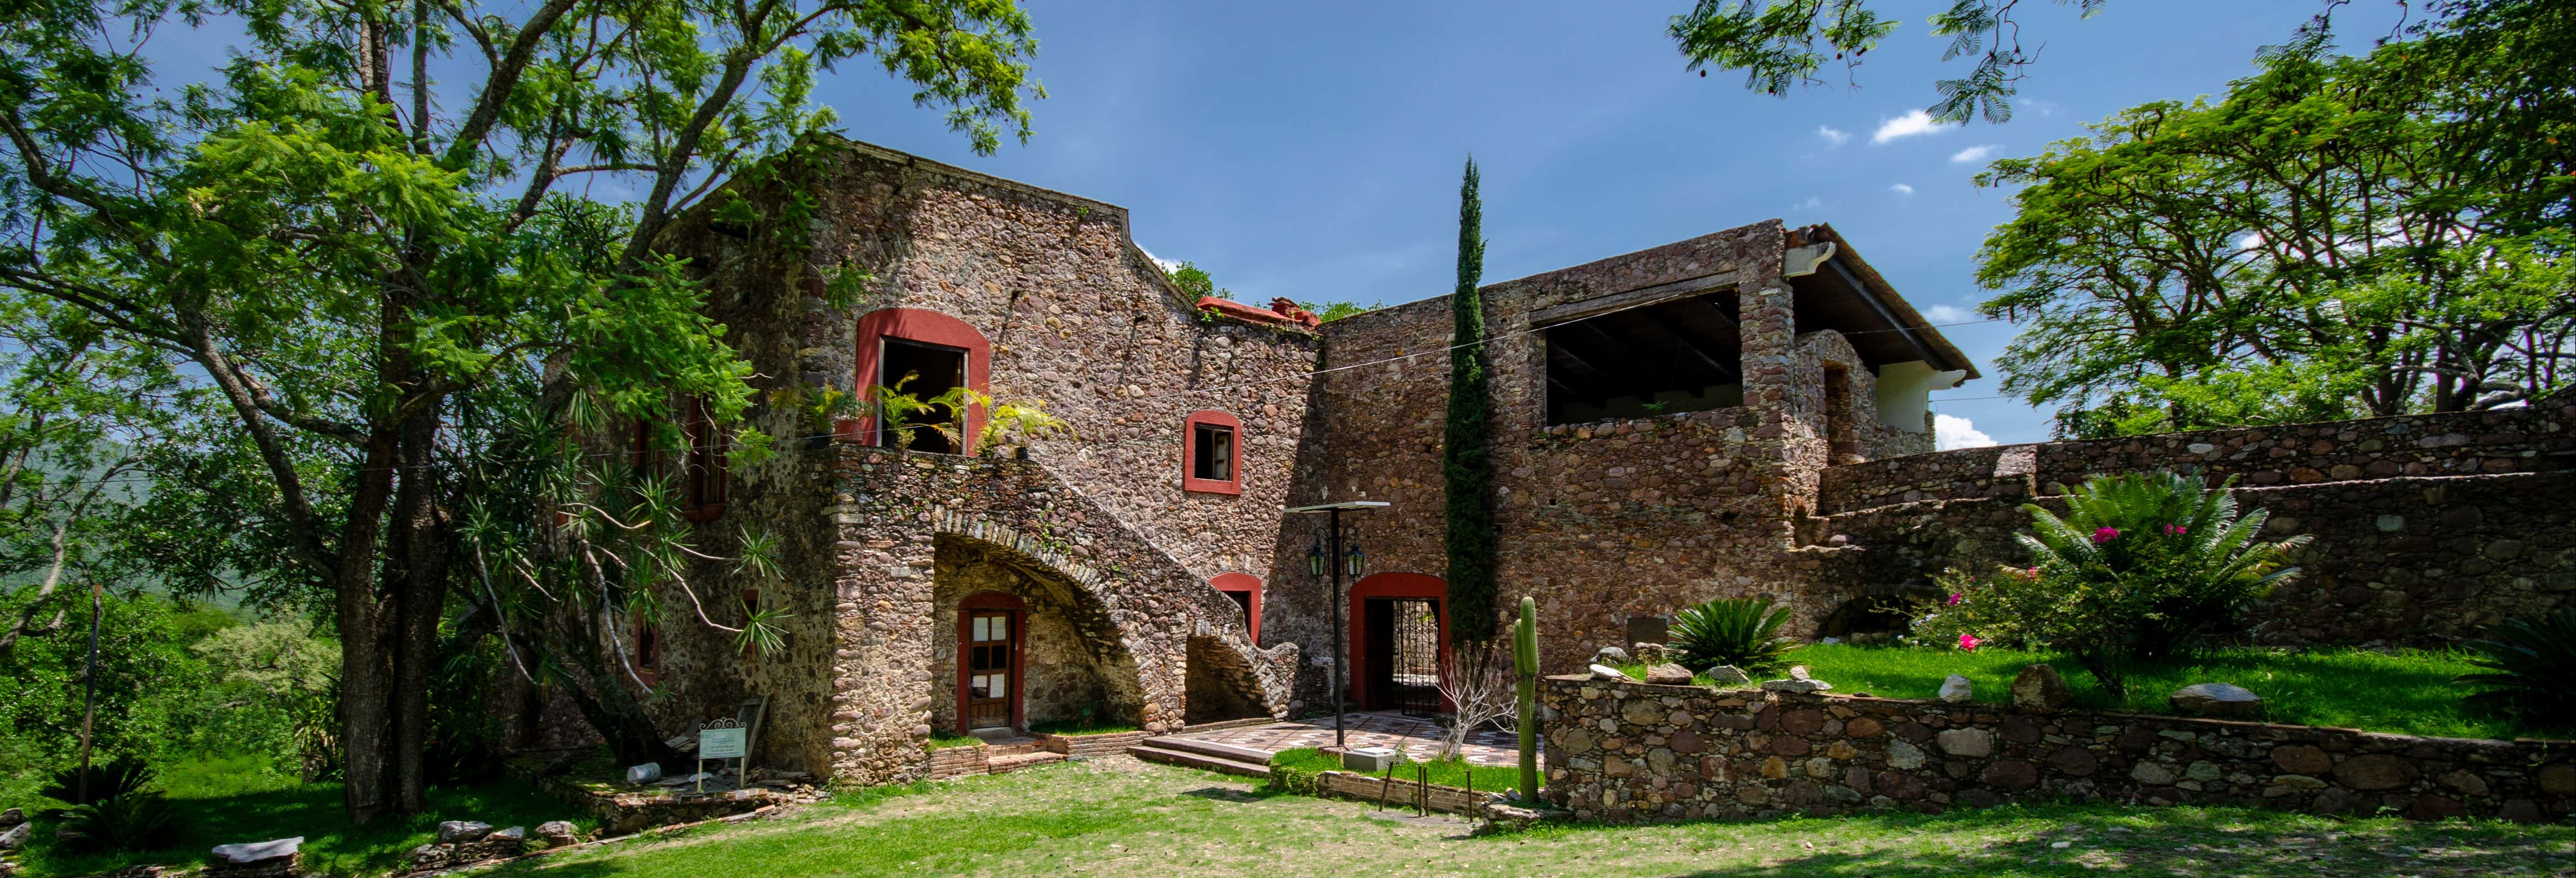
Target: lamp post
[{"x": 1318, "y": 558}]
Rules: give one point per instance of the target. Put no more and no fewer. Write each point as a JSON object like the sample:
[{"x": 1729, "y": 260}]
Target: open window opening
[
  {"x": 648, "y": 651},
  {"x": 1842, "y": 440},
  {"x": 1674, "y": 356},
  {"x": 1212, "y": 456},
  {"x": 702, "y": 473},
  {"x": 925, "y": 371}
]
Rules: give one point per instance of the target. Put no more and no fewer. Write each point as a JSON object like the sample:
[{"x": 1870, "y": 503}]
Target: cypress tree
[{"x": 1466, "y": 459}]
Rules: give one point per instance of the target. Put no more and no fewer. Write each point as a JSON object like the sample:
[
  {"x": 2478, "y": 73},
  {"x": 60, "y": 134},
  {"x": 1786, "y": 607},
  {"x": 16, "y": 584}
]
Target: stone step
[
  {"x": 1200, "y": 760},
  {"x": 1014, "y": 748},
  {"x": 1202, "y": 747},
  {"x": 1015, "y": 762}
]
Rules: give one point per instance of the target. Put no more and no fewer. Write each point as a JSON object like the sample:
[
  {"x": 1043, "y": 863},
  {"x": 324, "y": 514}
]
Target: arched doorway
[
  {"x": 1245, "y": 590},
  {"x": 1023, "y": 645},
  {"x": 1399, "y": 635},
  {"x": 991, "y": 631}
]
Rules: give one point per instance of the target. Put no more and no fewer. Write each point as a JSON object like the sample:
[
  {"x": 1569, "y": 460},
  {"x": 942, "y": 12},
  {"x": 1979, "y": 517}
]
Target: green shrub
[
  {"x": 2139, "y": 565},
  {"x": 1743, "y": 632},
  {"x": 2530, "y": 670},
  {"x": 115, "y": 779},
  {"x": 130, "y": 821}
]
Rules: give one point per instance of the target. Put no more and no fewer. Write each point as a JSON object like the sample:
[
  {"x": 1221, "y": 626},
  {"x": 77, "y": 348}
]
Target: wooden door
[{"x": 991, "y": 648}]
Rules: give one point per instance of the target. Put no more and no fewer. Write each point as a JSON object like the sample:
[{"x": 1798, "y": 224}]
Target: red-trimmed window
[
  {"x": 648, "y": 651},
  {"x": 1212, "y": 453},
  {"x": 702, "y": 474},
  {"x": 1245, "y": 589},
  {"x": 939, "y": 349}
]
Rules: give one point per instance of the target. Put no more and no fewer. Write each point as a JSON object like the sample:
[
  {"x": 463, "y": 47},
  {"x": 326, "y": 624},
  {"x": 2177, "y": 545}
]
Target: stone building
[{"x": 1739, "y": 413}]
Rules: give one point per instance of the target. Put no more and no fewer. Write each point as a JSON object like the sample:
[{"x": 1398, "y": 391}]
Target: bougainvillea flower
[
  {"x": 1956, "y": 597},
  {"x": 2175, "y": 530},
  {"x": 2105, "y": 535},
  {"x": 1968, "y": 642}
]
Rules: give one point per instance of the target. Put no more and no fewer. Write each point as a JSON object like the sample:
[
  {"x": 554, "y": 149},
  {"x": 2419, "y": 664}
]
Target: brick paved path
[{"x": 1417, "y": 737}]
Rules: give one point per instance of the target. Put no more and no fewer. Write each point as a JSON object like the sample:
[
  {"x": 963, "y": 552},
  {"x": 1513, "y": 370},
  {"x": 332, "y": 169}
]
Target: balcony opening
[
  {"x": 925, "y": 371},
  {"x": 1674, "y": 356}
]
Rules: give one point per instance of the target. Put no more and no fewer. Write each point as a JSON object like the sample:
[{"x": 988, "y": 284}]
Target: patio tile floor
[{"x": 1417, "y": 737}]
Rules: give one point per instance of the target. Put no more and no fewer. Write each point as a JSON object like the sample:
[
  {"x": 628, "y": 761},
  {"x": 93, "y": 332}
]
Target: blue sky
[{"x": 1312, "y": 150}]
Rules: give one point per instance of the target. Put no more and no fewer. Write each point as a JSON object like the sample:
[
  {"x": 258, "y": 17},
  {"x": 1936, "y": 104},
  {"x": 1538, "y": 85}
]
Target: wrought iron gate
[{"x": 1415, "y": 665}]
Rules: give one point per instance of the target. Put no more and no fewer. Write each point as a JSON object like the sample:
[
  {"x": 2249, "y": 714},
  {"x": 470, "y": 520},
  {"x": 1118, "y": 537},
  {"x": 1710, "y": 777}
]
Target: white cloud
[
  {"x": 1901, "y": 189},
  {"x": 1952, "y": 431},
  {"x": 1833, "y": 136},
  {"x": 1168, "y": 265},
  {"x": 1977, "y": 153},
  {"x": 1950, "y": 314},
  {"x": 1812, "y": 203},
  {"x": 1914, "y": 122},
  {"x": 2045, "y": 108}
]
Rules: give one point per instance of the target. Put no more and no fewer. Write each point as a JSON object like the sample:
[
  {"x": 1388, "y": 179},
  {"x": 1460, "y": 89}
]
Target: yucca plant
[
  {"x": 130, "y": 821},
  {"x": 1743, "y": 632},
  {"x": 2530, "y": 670}
]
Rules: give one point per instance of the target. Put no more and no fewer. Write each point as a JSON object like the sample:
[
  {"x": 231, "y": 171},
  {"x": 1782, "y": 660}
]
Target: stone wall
[
  {"x": 1628, "y": 752},
  {"x": 2526, "y": 439}
]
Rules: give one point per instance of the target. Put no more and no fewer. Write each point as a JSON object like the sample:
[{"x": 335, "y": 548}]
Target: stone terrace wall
[
  {"x": 1629, "y": 752},
  {"x": 2529, "y": 439},
  {"x": 2414, "y": 560}
]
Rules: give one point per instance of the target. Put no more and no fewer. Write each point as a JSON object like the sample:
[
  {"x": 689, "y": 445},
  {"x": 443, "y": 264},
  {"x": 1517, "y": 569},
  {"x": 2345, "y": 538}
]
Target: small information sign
[{"x": 722, "y": 743}]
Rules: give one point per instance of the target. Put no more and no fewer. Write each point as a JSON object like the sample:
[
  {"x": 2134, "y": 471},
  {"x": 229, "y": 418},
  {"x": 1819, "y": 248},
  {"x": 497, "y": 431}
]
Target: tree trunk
[
  {"x": 602, "y": 694},
  {"x": 366, "y": 672},
  {"x": 419, "y": 600}
]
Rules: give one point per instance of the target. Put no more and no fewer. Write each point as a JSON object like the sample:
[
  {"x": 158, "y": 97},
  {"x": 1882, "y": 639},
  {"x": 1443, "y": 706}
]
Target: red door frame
[
  {"x": 1246, "y": 583},
  {"x": 927, "y": 327},
  {"x": 1391, "y": 585},
  {"x": 1019, "y": 612}
]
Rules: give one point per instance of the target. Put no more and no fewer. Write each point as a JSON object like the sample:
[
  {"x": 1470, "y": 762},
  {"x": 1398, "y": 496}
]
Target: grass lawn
[
  {"x": 1446, "y": 772},
  {"x": 2408, "y": 691},
  {"x": 239, "y": 799},
  {"x": 1123, "y": 817}
]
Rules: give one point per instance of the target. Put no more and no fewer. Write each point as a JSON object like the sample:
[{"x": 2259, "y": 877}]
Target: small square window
[{"x": 1212, "y": 453}]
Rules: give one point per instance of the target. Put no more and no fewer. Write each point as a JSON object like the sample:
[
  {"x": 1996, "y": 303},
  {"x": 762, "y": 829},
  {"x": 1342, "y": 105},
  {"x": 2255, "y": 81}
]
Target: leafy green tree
[
  {"x": 2339, "y": 236},
  {"x": 343, "y": 246},
  {"x": 1782, "y": 43},
  {"x": 1466, "y": 451}
]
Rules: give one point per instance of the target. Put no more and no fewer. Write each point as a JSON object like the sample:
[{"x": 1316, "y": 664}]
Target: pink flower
[
  {"x": 1955, "y": 598},
  {"x": 2033, "y": 572},
  {"x": 1968, "y": 642},
  {"x": 2105, "y": 535},
  {"x": 2175, "y": 530}
]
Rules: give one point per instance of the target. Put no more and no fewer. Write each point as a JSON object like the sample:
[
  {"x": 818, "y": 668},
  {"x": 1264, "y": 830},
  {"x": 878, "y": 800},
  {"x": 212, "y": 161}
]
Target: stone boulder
[
  {"x": 246, "y": 853},
  {"x": 461, "y": 831},
  {"x": 1650, "y": 653},
  {"x": 515, "y": 833},
  {"x": 2222, "y": 700},
  {"x": 1795, "y": 685},
  {"x": 558, "y": 833},
  {"x": 1668, "y": 674},
  {"x": 12, "y": 817},
  {"x": 1729, "y": 675},
  {"x": 1610, "y": 655},
  {"x": 1957, "y": 690},
  {"x": 2039, "y": 688},
  {"x": 16, "y": 837},
  {"x": 1606, "y": 672}
]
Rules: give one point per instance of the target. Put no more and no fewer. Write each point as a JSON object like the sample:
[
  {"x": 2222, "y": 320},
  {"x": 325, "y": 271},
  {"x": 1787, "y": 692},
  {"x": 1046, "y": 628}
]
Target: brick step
[
  {"x": 1014, "y": 748},
  {"x": 1200, "y": 760},
  {"x": 1000, "y": 764}
]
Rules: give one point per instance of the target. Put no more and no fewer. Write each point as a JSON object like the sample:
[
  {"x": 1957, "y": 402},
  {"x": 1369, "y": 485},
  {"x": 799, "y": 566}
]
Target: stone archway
[{"x": 1075, "y": 667}]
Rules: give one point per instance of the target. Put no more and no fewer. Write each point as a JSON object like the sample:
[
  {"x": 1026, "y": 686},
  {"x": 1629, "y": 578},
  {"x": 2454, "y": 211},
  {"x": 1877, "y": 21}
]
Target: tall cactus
[{"x": 1525, "y": 665}]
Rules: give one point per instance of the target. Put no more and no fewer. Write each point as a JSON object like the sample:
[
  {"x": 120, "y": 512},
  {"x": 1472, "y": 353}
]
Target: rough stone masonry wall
[
  {"x": 2425, "y": 527},
  {"x": 899, "y": 508},
  {"x": 1608, "y": 520},
  {"x": 1077, "y": 318},
  {"x": 1630, "y": 752}
]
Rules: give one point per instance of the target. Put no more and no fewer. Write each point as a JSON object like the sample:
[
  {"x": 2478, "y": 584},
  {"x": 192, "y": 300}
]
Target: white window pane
[
  {"x": 1001, "y": 628},
  {"x": 983, "y": 629},
  {"x": 1000, "y": 686},
  {"x": 977, "y": 684}
]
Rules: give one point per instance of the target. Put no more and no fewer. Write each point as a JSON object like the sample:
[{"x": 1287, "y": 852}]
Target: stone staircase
[
  {"x": 1017, "y": 754},
  {"x": 1208, "y": 755}
]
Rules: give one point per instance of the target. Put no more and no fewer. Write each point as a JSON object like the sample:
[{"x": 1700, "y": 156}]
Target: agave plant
[
  {"x": 124, "y": 775},
  {"x": 2530, "y": 669},
  {"x": 131, "y": 821},
  {"x": 1743, "y": 632}
]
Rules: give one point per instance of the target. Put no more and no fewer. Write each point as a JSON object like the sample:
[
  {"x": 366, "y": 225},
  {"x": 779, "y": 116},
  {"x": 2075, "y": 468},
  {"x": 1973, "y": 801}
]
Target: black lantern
[
  {"x": 1315, "y": 559},
  {"x": 1354, "y": 560}
]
